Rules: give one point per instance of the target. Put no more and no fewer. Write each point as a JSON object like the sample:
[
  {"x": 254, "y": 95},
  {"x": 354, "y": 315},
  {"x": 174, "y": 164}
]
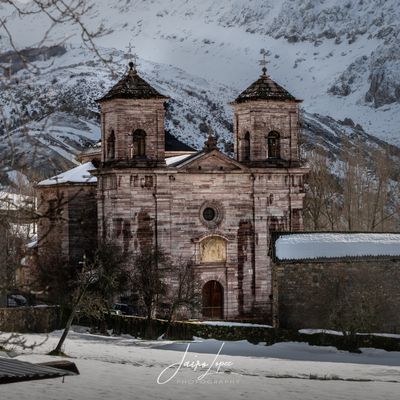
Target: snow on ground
[
  {"x": 127, "y": 368},
  {"x": 331, "y": 332},
  {"x": 229, "y": 323},
  {"x": 333, "y": 245}
]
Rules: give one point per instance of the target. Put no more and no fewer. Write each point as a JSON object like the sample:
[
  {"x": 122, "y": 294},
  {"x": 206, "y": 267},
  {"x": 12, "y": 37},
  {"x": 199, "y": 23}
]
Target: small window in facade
[
  {"x": 138, "y": 143},
  {"x": 53, "y": 210},
  {"x": 274, "y": 145},
  {"x": 111, "y": 146},
  {"x": 246, "y": 147},
  {"x": 209, "y": 214}
]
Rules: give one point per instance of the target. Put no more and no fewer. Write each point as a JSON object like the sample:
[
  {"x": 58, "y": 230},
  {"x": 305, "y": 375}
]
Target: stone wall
[
  {"x": 139, "y": 207},
  {"x": 186, "y": 330},
  {"x": 261, "y": 117},
  {"x": 123, "y": 117},
  {"x": 30, "y": 319},
  {"x": 68, "y": 223},
  {"x": 82, "y": 224},
  {"x": 310, "y": 294}
]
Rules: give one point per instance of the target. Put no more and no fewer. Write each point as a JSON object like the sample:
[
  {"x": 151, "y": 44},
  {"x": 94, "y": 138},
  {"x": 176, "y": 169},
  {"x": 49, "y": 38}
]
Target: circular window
[{"x": 209, "y": 214}]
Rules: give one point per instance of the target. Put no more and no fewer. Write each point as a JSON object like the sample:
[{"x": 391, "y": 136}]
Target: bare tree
[
  {"x": 16, "y": 229},
  {"x": 58, "y": 12},
  {"x": 86, "y": 277},
  {"x": 53, "y": 15},
  {"x": 321, "y": 208},
  {"x": 10, "y": 343},
  {"x": 184, "y": 291},
  {"x": 147, "y": 277},
  {"x": 368, "y": 181},
  {"x": 358, "y": 193},
  {"x": 96, "y": 285}
]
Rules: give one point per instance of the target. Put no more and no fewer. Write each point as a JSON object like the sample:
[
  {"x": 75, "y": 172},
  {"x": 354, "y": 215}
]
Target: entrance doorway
[{"x": 213, "y": 300}]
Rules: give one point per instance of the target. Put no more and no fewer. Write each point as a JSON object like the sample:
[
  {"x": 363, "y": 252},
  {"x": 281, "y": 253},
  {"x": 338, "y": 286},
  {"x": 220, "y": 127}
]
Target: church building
[{"x": 142, "y": 187}]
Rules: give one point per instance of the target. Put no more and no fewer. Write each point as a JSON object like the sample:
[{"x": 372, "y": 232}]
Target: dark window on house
[
  {"x": 53, "y": 210},
  {"x": 274, "y": 148},
  {"x": 111, "y": 146},
  {"x": 117, "y": 227},
  {"x": 139, "y": 143},
  {"x": 246, "y": 147},
  {"x": 148, "y": 181}
]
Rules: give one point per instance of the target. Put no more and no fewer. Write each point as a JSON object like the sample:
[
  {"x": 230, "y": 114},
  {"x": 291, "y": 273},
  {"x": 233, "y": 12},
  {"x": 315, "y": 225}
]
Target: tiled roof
[
  {"x": 264, "y": 88},
  {"x": 132, "y": 86}
]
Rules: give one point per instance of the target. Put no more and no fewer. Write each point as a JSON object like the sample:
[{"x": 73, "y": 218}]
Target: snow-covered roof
[
  {"x": 79, "y": 174},
  {"x": 176, "y": 159},
  {"x": 336, "y": 245}
]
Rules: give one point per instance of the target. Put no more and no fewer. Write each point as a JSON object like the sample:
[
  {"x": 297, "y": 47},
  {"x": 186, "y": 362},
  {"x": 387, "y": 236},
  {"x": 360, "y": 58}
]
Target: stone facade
[
  {"x": 307, "y": 292},
  {"x": 123, "y": 118},
  {"x": 258, "y": 119},
  {"x": 218, "y": 211},
  {"x": 68, "y": 221}
]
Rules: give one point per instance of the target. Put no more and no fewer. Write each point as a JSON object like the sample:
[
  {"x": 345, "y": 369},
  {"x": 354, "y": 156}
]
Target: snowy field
[{"x": 127, "y": 368}]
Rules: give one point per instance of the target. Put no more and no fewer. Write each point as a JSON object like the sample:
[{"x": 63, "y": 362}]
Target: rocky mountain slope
[{"x": 341, "y": 57}]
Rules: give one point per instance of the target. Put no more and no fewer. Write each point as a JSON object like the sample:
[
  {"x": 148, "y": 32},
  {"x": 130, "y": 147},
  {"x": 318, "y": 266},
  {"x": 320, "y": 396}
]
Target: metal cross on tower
[
  {"x": 132, "y": 56},
  {"x": 264, "y": 60}
]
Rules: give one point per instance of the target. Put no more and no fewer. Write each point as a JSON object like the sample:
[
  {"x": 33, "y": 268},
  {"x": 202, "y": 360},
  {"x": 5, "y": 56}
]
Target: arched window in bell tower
[
  {"x": 274, "y": 147},
  {"x": 111, "y": 146},
  {"x": 138, "y": 143},
  {"x": 246, "y": 147}
]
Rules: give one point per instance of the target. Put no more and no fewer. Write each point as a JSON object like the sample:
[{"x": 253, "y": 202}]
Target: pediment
[{"x": 212, "y": 161}]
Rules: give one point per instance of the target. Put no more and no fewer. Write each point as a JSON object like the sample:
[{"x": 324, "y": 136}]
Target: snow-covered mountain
[{"x": 341, "y": 57}]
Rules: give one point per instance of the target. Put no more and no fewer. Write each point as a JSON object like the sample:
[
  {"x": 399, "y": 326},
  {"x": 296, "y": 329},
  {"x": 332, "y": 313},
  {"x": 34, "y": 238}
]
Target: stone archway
[{"x": 213, "y": 300}]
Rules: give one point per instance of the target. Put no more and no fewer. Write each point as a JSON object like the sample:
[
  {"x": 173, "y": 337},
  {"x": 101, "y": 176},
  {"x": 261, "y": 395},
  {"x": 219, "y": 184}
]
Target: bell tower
[
  {"x": 266, "y": 124},
  {"x": 132, "y": 123}
]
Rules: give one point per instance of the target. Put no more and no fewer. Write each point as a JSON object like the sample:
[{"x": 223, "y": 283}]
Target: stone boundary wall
[
  {"x": 30, "y": 319},
  {"x": 186, "y": 330},
  {"x": 309, "y": 293}
]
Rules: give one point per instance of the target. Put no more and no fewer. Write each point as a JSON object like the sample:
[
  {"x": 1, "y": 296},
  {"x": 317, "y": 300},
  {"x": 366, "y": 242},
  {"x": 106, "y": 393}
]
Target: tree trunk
[
  {"x": 3, "y": 298},
  {"x": 67, "y": 328},
  {"x": 169, "y": 323}
]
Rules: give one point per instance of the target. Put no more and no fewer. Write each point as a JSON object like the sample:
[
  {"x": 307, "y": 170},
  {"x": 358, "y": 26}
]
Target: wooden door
[{"x": 213, "y": 300}]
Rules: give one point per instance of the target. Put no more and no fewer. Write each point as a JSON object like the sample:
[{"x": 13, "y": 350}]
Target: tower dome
[{"x": 132, "y": 86}]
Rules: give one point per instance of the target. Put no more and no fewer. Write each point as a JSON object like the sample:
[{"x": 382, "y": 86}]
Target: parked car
[
  {"x": 115, "y": 312},
  {"x": 122, "y": 309},
  {"x": 16, "y": 300}
]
